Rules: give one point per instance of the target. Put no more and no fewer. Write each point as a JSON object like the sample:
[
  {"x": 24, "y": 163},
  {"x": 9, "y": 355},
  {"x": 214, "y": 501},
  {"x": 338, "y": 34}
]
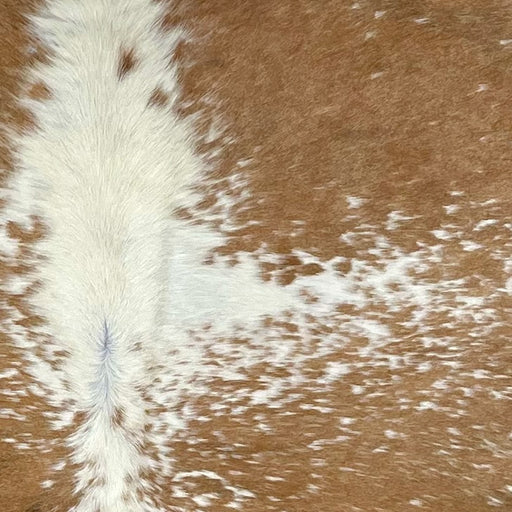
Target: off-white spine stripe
[{"x": 104, "y": 169}]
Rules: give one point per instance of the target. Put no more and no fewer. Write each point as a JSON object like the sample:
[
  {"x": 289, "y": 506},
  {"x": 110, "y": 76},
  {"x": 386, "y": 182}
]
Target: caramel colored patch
[
  {"x": 401, "y": 106},
  {"x": 127, "y": 62},
  {"x": 80, "y": 417}
]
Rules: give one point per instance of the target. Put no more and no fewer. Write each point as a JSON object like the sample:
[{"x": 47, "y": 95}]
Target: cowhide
[{"x": 256, "y": 255}]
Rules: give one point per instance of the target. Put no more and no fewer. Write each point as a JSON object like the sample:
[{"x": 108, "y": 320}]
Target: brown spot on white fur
[
  {"x": 118, "y": 417},
  {"x": 158, "y": 98},
  {"x": 127, "y": 62}
]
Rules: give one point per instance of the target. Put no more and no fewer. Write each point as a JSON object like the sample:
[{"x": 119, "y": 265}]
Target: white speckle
[
  {"x": 16, "y": 285},
  {"x": 499, "y": 395},
  {"x": 494, "y": 502},
  {"x": 505, "y": 42},
  {"x": 370, "y": 35},
  {"x": 488, "y": 202},
  {"x": 442, "y": 234},
  {"x": 485, "y": 467},
  {"x": 323, "y": 410},
  {"x": 394, "y": 219},
  {"x": 421, "y": 21},
  {"x": 424, "y": 367},
  {"x": 274, "y": 478},
  {"x": 9, "y": 413},
  {"x": 334, "y": 371},
  {"x": 356, "y": 5},
  {"x": 373, "y": 76},
  {"x": 484, "y": 223},
  {"x": 59, "y": 466},
  {"x": 215, "y": 132},
  {"x": 456, "y": 193},
  {"x": 267, "y": 394},
  {"x": 240, "y": 492},
  {"x": 470, "y": 246},
  {"x": 467, "y": 391},
  {"x": 426, "y": 405},
  {"x": 391, "y": 434},
  {"x": 313, "y": 488},
  {"x": 451, "y": 208},
  {"x": 202, "y": 500},
  {"x": 357, "y": 390},
  {"x": 355, "y": 202},
  {"x": 264, "y": 427},
  {"x": 244, "y": 162},
  {"x": 196, "y": 474},
  {"x": 454, "y": 431},
  {"x": 416, "y": 502},
  {"x": 482, "y": 87},
  {"x": 480, "y": 374},
  {"x": 347, "y": 421},
  {"x": 379, "y": 14},
  {"x": 440, "y": 384},
  {"x": 46, "y": 484},
  {"x": 178, "y": 492},
  {"x": 8, "y": 373}
]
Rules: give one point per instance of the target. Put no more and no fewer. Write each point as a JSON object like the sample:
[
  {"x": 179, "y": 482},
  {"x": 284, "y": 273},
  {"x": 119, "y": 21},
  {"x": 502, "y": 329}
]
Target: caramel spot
[
  {"x": 127, "y": 62},
  {"x": 80, "y": 417},
  {"x": 158, "y": 98},
  {"x": 118, "y": 417},
  {"x": 39, "y": 91}
]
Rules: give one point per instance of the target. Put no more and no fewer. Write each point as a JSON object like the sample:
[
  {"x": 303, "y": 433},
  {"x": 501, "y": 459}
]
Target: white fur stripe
[{"x": 104, "y": 169}]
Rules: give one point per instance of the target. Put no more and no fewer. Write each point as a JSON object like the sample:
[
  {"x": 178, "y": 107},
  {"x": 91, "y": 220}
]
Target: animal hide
[{"x": 255, "y": 256}]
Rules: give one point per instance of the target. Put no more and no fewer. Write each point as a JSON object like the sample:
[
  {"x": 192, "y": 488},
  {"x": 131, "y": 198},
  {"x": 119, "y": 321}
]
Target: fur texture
[{"x": 105, "y": 167}]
